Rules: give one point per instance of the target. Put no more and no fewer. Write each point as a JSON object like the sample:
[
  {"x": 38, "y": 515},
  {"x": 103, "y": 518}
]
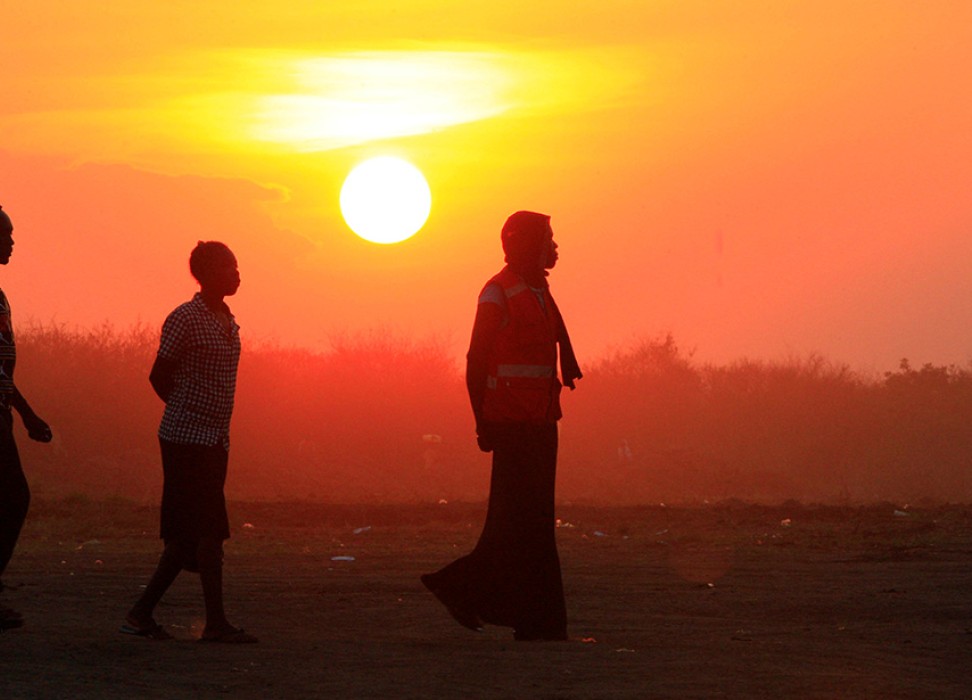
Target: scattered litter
[
  {"x": 662, "y": 532},
  {"x": 901, "y": 513},
  {"x": 342, "y": 558},
  {"x": 359, "y": 530},
  {"x": 99, "y": 562},
  {"x": 624, "y": 650},
  {"x": 589, "y": 640},
  {"x": 86, "y": 544},
  {"x": 786, "y": 522},
  {"x": 248, "y": 526},
  {"x": 443, "y": 501},
  {"x": 598, "y": 533},
  {"x": 563, "y": 523}
]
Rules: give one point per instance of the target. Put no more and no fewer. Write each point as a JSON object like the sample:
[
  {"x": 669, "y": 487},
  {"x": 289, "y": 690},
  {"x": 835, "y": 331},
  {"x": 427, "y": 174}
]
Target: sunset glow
[
  {"x": 348, "y": 99},
  {"x": 761, "y": 485},
  {"x": 730, "y": 167}
]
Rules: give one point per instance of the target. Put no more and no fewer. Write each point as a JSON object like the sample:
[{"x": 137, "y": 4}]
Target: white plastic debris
[
  {"x": 342, "y": 558},
  {"x": 360, "y": 530}
]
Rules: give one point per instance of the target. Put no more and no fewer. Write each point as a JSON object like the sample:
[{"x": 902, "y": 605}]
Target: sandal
[{"x": 151, "y": 630}]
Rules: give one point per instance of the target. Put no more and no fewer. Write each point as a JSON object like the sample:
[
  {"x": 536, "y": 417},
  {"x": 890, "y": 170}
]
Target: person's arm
[
  {"x": 173, "y": 344},
  {"x": 162, "y": 377},
  {"x": 37, "y": 428},
  {"x": 489, "y": 321}
]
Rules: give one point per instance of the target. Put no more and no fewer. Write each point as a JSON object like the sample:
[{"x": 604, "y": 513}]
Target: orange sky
[{"x": 760, "y": 178}]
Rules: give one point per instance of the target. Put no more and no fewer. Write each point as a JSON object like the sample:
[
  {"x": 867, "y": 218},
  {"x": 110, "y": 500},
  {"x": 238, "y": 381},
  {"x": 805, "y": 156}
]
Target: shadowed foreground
[{"x": 719, "y": 601}]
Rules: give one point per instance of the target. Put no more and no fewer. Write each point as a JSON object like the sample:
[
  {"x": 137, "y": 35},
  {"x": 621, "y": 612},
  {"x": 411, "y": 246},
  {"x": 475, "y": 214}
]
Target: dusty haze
[{"x": 381, "y": 418}]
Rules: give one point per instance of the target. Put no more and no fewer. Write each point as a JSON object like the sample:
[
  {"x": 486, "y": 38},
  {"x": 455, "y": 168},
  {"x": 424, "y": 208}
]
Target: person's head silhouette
[
  {"x": 6, "y": 237},
  {"x": 528, "y": 244},
  {"x": 214, "y": 266}
]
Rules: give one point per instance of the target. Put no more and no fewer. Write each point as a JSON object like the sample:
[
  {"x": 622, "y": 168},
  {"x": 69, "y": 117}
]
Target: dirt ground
[{"x": 715, "y": 601}]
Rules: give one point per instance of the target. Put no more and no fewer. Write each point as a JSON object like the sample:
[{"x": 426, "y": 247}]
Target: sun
[{"x": 385, "y": 200}]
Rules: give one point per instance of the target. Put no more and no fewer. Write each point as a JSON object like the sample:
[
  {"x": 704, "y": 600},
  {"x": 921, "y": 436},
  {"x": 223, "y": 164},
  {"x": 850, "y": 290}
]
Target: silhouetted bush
[
  {"x": 652, "y": 425},
  {"x": 381, "y": 418}
]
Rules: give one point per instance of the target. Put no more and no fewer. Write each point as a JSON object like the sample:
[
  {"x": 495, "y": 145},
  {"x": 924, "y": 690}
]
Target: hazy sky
[{"x": 761, "y": 179}]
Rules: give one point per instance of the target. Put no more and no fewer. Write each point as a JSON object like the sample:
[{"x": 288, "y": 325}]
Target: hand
[
  {"x": 37, "y": 429},
  {"x": 484, "y": 443},
  {"x": 484, "y": 437}
]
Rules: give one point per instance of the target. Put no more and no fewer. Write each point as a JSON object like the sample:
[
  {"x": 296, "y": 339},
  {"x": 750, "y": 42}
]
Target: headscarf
[{"x": 526, "y": 237}]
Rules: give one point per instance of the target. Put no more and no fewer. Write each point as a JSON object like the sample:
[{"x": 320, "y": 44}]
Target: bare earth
[{"x": 725, "y": 601}]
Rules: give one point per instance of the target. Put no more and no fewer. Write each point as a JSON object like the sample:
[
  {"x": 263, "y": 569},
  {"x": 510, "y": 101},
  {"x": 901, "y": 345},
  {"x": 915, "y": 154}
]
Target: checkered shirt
[{"x": 199, "y": 408}]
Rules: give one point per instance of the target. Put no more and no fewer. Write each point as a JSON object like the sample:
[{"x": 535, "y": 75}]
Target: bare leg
[
  {"x": 210, "y": 557},
  {"x": 170, "y": 564},
  {"x": 218, "y": 628}
]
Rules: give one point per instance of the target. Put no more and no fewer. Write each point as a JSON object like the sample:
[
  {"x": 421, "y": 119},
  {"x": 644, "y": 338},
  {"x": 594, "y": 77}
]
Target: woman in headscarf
[{"x": 512, "y": 577}]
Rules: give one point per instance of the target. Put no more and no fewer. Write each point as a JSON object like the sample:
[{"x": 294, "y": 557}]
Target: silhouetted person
[
  {"x": 14, "y": 493},
  {"x": 512, "y": 577},
  {"x": 195, "y": 374}
]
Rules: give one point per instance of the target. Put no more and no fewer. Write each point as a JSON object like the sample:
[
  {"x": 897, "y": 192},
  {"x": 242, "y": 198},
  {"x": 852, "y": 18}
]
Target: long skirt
[{"x": 512, "y": 577}]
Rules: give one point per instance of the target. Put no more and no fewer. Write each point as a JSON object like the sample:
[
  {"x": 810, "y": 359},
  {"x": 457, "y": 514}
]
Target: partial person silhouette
[
  {"x": 195, "y": 375},
  {"x": 512, "y": 577},
  {"x": 14, "y": 492}
]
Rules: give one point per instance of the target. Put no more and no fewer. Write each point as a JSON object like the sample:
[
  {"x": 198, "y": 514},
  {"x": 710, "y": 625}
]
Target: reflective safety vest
[{"x": 522, "y": 385}]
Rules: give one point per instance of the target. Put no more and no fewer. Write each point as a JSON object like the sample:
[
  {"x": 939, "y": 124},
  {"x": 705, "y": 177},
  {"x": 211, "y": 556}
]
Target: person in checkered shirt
[{"x": 195, "y": 375}]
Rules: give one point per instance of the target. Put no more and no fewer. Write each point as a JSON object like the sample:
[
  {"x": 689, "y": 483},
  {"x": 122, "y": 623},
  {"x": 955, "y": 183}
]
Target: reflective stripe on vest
[
  {"x": 545, "y": 371},
  {"x": 515, "y": 289},
  {"x": 522, "y": 372}
]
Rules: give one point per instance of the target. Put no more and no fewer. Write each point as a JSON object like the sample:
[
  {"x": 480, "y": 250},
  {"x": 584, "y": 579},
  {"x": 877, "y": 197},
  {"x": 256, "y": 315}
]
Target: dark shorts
[{"x": 193, "y": 504}]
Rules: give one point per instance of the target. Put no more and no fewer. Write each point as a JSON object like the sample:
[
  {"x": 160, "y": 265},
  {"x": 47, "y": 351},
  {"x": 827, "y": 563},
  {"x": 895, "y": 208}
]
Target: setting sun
[{"x": 385, "y": 200}]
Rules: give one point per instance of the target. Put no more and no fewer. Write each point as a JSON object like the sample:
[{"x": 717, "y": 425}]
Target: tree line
[{"x": 380, "y": 418}]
